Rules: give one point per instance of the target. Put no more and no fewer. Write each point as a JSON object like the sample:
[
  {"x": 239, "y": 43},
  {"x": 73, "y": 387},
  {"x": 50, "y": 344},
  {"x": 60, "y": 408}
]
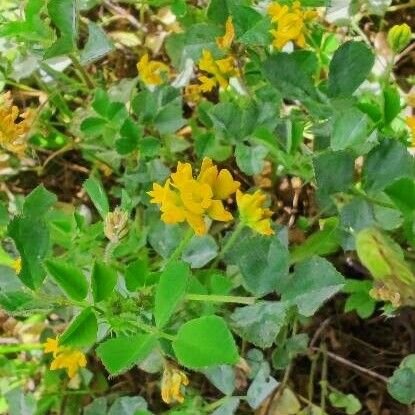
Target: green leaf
[
  {"x": 323, "y": 242},
  {"x": 342, "y": 162},
  {"x": 261, "y": 387},
  {"x": 121, "y": 353},
  {"x": 34, "y": 28},
  {"x": 394, "y": 160},
  {"x": 200, "y": 251},
  {"x": 401, "y": 385},
  {"x": 82, "y": 332},
  {"x": 136, "y": 275},
  {"x": 97, "y": 194},
  {"x": 205, "y": 341},
  {"x": 170, "y": 291},
  {"x": 348, "y": 402},
  {"x": 13, "y": 301},
  {"x": 359, "y": 298},
  {"x": 24, "y": 231},
  {"x": 350, "y": 66},
  {"x": 69, "y": 278},
  {"x": 292, "y": 74},
  {"x": 170, "y": 118},
  {"x": 129, "y": 405},
  {"x": 250, "y": 159},
  {"x": 262, "y": 260},
  {"x": 351, "y": 128},
  {"x": 384, "y": 258},
  {"x": 222, "y": 377},
  {"x": 97, "y": 46},
  {"x": 355, "y": 215},
  {"x": 63, "y": 14},
  {"x": 250, "y": 26},
  {"x": 38, "y": 202},
  {"x": 20, "y": 403},
  {"x": 93, "y": 126},
  {"x": 103, "y": 280},
  {"x": 313, "y": 282},
  {"x": 402, "y": 193},
  {"x": 260, "y": 323}
]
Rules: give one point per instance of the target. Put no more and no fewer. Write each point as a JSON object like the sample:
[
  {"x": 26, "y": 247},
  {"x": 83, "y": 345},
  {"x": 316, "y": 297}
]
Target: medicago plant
[{"x": 213, "y": 174}]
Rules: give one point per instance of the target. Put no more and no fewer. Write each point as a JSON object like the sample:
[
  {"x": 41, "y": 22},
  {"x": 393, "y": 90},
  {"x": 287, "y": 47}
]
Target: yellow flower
[
  {"x": 150, "y": 71},
  {"x": 70, "y": 360},
  {"x": 51, "y": 346},
  {"x": 290, "y": 24},
  {"x": 410, "y": 122},
  {"x": 225, "y": 41},
  {"x": 206, "y": 83},
  {"x": 171, "y": 385},
  {"x": 221, "y": 70},
  {"x": 67, "y": 358},
  {"x": 252, "y": 213},
  {"x": 17, "y": 265},
  {"x": 184, "y": 198},
  {"x": 13, "y": 133},
  {"x": 193, "y": 93}
]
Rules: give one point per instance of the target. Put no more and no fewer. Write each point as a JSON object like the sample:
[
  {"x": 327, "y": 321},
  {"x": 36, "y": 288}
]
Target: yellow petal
[
  {"x": 206, "y": 84},
  {"x": 225, "y": 41},
  {"x": 218, "y": 212},
  {"x": 51, "y": 346},
  {"x": 225, "y": 185},
  {"x": 197, "y": 223}
]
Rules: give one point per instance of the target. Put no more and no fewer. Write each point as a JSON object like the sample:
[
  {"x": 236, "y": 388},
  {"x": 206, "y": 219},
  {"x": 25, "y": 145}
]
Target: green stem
[
  {"x": 16, "y": 348},
  {"x": 181, "y": 247},
  {"x": 228, "y": 245},
  {"x": 323, "y": 382},
  {"x": 85, "y": 75},
  {"x": 220, "y": 298},
  {"x": 153, "y": 330}
]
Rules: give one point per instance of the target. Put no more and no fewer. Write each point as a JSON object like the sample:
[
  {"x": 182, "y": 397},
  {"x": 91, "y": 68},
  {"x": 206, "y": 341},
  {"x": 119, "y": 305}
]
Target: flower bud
[
  {"x": 399, "y": 37},
  {"x": 115, "y": 225}
]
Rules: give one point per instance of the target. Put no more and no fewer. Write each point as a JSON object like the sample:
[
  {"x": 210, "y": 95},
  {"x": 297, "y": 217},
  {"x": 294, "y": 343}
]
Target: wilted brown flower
[{"x": 115, "y": 225}]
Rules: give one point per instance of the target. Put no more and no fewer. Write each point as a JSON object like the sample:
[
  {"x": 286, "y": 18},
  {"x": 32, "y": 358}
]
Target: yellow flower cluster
[
  {"x": 12, "y": 132},
  {"x": 290, "y": 24},
  {"x": 66, "y": 358},
  {"x": 218, "y": 71},
  {"x": 410, "y": 122},
  {"x": 171, "y": 384},
  {"x": 151, "y": 71},
  {"x": 184, "y": 198},
  {"x": 252, "y": 213}
]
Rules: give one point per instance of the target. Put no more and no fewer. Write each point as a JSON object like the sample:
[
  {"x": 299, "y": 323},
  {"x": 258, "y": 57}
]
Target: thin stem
[
  {"x": 220, "y": 298},
  {"x": 323, "y": 382},
  {"x": 181, "y": 247},
  {"x": 228, "y": 245},
  {"x": 89, "y": 82},
  {"x": 352, "y": 365},
  {"x": 16, "y": 348}
]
